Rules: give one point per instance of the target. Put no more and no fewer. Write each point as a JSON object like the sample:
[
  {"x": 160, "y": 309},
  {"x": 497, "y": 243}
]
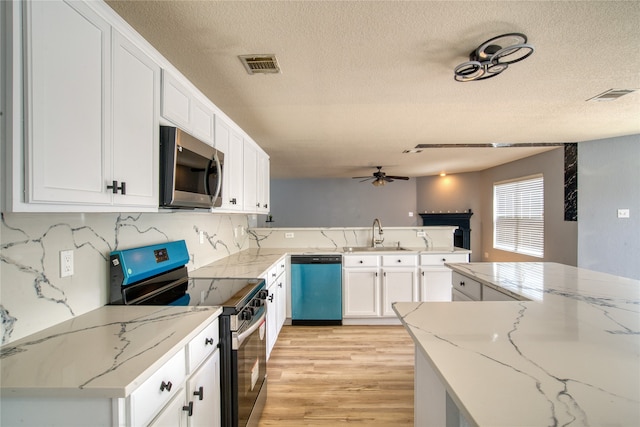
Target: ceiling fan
[{"x": 379, "y": 178}]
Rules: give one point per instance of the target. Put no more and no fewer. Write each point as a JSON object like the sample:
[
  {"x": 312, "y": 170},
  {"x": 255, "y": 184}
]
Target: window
[{"x": 518, "y": 216}]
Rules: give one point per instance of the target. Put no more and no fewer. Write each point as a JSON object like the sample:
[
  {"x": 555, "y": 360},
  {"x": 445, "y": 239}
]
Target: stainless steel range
[{"x": 157, "y": 275}]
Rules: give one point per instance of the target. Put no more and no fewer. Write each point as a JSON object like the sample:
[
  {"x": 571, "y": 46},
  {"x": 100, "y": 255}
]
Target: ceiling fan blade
[
  {"x": 360, "y": 177},
  {"x": 365, "y": 179},
  {"x": 398, "y": 177}
]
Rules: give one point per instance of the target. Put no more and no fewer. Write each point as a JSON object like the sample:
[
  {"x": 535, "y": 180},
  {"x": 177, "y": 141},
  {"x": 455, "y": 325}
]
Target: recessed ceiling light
[{"x": 611, "y": 95}]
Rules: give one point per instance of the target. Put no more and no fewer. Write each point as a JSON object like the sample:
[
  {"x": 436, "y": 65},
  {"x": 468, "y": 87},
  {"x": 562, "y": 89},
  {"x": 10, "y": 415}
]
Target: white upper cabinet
[
  {"x": 250, "y": 193},
  {"x": 262, "y": 183},
  {"x": 230, "y": 143},
  {"x": 91, "y": 114},
  {"x": 181, "y": 107},
  {"x": 67, "y": 84},
  {"x": 136, "y": 92}
]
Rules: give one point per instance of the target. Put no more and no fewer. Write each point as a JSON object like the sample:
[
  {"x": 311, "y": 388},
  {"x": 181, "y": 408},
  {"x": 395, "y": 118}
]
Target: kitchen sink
[{"x": 372, "y": 249}]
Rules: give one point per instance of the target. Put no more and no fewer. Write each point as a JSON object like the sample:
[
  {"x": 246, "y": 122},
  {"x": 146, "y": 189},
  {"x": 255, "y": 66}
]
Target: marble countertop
[
  {"x": 570, "y": 356},
  {"x": 255, "y": 262},
  {"x": 105, "y": 353}
]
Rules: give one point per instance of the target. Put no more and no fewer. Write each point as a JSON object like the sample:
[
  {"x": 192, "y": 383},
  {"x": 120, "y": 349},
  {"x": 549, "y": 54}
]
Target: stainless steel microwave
[{"x": 190, "y": 171}]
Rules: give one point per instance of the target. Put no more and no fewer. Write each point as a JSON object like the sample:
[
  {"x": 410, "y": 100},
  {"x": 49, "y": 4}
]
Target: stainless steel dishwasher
[{"x": 316, "y": 289}]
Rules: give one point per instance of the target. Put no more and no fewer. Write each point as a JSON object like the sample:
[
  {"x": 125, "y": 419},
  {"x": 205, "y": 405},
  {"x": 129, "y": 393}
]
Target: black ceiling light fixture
[{"x": 493, "y": 57}]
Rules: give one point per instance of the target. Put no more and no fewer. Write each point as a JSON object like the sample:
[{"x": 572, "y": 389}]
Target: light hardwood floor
[{"x": 330, "y": 375}]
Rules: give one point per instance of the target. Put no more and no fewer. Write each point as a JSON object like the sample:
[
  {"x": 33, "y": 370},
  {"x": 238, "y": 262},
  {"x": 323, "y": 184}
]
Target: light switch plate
[
  {"x": 623, "y": 213},
  {"x": 288, "y": 235}
]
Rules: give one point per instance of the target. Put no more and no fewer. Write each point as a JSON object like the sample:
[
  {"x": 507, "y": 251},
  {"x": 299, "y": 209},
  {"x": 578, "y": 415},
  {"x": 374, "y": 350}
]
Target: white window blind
[{"x": 518, "y": 216}]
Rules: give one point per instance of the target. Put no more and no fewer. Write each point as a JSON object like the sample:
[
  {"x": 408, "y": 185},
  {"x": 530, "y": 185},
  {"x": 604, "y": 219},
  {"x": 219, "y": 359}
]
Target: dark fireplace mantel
[{"x": 462, "y": 220}]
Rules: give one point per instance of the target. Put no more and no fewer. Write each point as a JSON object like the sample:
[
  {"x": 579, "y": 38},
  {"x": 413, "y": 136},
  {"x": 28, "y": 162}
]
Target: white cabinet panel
[
  {"x": 203, "y": 393},
  {"x": 490, "y": 294},
  {"x": 398, "y": 285},
  {"x": 250, "y": 177},
  {"x": 172, "y": 415},
  {"x": 176, "y": 101},
  {"x": 435, "y": 284},
  {"x": 136, "y": 91},
  {"x": 361, "y": 292},
  {"x": 202, "y": 122},
  {"x": 467, "y": 286},
  {"x": 67, "y": 83}
]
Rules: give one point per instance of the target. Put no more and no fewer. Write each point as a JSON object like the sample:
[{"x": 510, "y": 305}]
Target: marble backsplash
[
  {"x": 338, "y": 237},
  {"x": 33, "y": 296}
]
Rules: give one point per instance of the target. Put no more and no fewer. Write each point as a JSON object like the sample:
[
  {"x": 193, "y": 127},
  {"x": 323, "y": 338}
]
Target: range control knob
[
  {"x": 246, "y": 314},
  {"x": 263, "y": 294},
  {"x": 257, "y": 303}
]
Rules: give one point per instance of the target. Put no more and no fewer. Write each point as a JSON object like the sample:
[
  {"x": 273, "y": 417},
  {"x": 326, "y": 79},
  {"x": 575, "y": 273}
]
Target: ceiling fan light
[{"x": 378, "y": 182}]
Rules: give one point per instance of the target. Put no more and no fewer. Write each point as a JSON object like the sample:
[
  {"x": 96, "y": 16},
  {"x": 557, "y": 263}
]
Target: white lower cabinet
[
  {"x": 276, "y": 282},
  {"x": 164, "y": 399},
  {"x": 490, "y": 294},
  {"x": 372, "y": 283},
  {"x": 435, "y": 277}
]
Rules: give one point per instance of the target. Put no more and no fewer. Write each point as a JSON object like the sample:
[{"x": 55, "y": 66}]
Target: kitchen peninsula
[{"x": 569, "y": 355}]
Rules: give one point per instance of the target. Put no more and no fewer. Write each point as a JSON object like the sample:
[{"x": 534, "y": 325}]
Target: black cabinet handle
[
  {"x": 199, "y": 393},
  {"x": 271, "y": 298},
  {"x": 444, "y": 259},
  {"x": 208, "y": 341},
  {"x": 399, "y": 260},
  {"x": 166, "y": 386},
  {"x": 280, "y": 284},
  {"x": 188, "y": 408},
  {"x": 233, "y": 201},
  {"x": 114, "y": 187},
  {"x": 461, "y": 283},
  {"x": 360, "y": 261}
]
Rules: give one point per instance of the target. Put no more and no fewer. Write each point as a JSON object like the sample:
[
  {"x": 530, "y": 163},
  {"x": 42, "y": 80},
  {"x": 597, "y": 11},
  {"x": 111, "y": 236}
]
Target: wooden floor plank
[{"x": 331, "y": 375}]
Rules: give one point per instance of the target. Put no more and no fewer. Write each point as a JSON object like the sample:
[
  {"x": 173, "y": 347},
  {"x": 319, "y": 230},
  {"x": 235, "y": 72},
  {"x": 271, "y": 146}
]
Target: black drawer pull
[
  {"x": 199, "y": 393},
  {"x": 188, "y": 408},
  {"x": 461, "y": 283},
  {"x": 166, "y": 386},
  {"x": 208, "y": 341}
]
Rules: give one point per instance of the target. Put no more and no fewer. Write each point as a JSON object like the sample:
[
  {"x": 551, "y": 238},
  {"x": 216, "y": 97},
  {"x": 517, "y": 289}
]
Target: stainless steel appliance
[
  {"x": 191, "y": 171},
  {"x": 157, "y": 275},
  {"x": 316, "y": 289}
]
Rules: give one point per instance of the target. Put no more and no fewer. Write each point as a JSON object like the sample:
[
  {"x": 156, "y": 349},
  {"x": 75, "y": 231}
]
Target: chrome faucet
[{"x": 380, "y": 239}]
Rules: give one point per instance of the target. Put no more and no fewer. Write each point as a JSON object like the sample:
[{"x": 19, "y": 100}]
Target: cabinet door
[
  {"x": 361, "y": 292},
  {"x": 398, "y": 285},
  {"x": 262, "y": 185},
  {"x": 435, "y": 284},
  {"x": 250, "y": 177},
  {"x": 272, "y": 318},
  {"x": 281, "y": 307},
  {"x": 236, "y": 174},
  {"x": 172, "y": 415},
  {"x": 202, "y": 121},
  {"x": 136, "y": 91},
  {"x": 176, "y": 101},
  {"x": 203, "y": 389},
  {"x": 67, "y": 103}
]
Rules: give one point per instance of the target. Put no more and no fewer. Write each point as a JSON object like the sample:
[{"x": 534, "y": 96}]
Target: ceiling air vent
[
  {"x": 611, "y": 94},
  {"x": 260, "y": 64}
]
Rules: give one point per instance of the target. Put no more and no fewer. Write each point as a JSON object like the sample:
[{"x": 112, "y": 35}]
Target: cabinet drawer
[
  {"x": 202, "y": 345},
  {"x": 272, "y": 274},
  {"x": 361, "y": 261},
  {"x": 399, "y": 260},
  {"x": 281, "y": 266},
  {"x": 147, "y": 400},
  {"x": 440, "y": 259},
  {"x": 467, "y": 286}
]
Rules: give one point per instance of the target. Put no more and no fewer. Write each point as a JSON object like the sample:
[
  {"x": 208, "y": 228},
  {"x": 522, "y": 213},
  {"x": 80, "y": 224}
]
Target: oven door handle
[{"x": 238, "y": 339}]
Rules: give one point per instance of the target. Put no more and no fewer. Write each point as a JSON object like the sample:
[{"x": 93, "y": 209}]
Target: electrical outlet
[
  {"x": 66, "y": 263},
  {"x": 201, "y": 237},
  {"x": 410, "y": 214},
  {"x": 421, "y": 234},
  {"x": 288, "y": 235},
  {"x": 623, "y": 213}
]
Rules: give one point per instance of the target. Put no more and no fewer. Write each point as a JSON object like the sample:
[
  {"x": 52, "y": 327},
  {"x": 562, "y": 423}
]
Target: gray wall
[
  {"x": 341, "y": 202},
  {"x": 560, "y": 236},
  {"x": 609, "y": 179},
  {"x": 451, "y": 193}
]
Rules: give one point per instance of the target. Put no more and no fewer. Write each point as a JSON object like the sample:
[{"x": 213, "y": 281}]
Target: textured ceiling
[{"x": 362, "y": 81}]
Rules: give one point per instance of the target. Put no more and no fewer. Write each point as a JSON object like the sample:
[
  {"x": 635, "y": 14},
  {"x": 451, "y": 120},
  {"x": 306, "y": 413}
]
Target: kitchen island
[{"x": 568, "y": 356}]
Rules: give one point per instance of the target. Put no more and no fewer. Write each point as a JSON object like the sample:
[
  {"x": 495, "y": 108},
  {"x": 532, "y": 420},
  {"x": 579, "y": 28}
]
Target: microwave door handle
[
  {"x": 219, "y": 180},
  {"x": 207, "y": 190}
]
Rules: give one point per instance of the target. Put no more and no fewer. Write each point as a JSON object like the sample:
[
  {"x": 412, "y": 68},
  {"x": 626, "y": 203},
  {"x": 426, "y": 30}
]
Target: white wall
[
  {"x": 609, "y": 179},
  {"x": 342, "y": 203},
  {"x": 451, "y": 193},
  {"x": 560, "y": 236}
]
